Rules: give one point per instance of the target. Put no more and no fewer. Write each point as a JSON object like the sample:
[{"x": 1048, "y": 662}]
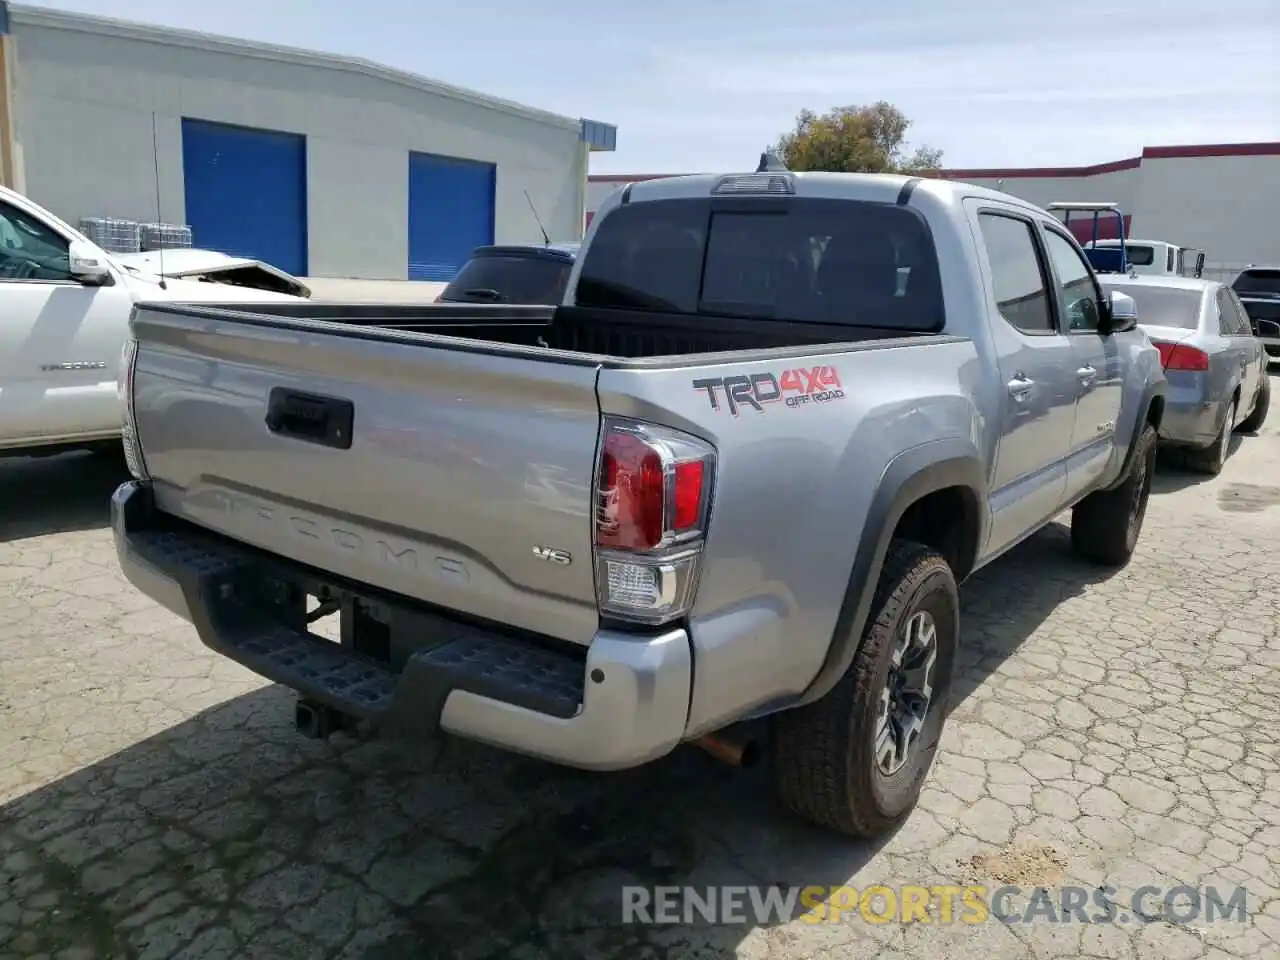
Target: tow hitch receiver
[{"x": 315, "y": 721}]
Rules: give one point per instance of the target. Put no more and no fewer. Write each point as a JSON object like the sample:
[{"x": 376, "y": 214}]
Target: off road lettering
[{"x": 796, "y": 387}]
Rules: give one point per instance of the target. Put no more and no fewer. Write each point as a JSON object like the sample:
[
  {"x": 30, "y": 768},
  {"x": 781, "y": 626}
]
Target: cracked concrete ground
[{"x": 1113, "y": 731}]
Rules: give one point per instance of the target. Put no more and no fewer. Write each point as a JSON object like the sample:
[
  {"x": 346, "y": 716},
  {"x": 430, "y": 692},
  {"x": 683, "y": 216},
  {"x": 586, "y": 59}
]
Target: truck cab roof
[{"x": 886, "y": 187}]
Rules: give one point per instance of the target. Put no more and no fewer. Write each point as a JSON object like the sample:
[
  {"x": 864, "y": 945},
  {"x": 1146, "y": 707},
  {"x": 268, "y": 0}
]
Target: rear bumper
[
  {"x": 1190, "y": 424},
  {"x": 1191, "y": 414},
  {"x": 623, "y": 704}
]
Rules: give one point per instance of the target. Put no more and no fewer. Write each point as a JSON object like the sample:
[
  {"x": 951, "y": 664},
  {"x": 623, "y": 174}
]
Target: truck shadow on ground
[
  {"x": 1173, "y": 474},
  {"x": 229, "y": 834},
  {"x": 47, "y": 495}
]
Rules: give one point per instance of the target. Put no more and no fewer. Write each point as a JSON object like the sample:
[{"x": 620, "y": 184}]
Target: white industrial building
[
  {"x": 323, "y": 165},
  {"x": 1223, "y": 199}
]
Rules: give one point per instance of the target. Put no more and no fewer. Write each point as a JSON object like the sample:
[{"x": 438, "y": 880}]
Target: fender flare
[
  {"x": 1155, "y": 389},
  {"x": 913, "y": 474}
]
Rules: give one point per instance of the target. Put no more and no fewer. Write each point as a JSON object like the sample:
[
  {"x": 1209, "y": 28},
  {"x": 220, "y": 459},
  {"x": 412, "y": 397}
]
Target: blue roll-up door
[
  {"x": 246, "y": 192},
  {"x": 450, "y": 213}
]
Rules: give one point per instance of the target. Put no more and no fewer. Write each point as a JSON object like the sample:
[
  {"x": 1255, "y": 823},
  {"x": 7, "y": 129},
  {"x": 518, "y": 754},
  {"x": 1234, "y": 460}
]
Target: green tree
[{"x": 856, "y": 139}]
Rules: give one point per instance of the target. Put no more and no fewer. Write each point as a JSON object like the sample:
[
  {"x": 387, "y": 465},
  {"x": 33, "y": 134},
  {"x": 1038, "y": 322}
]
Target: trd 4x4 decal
[{"x": 794, "y": 388}]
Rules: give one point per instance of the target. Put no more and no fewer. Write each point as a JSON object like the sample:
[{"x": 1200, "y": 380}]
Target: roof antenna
[
  {"x": 155, "y": 163},
  {"x": 771, "y": 163},
  {"x": 545, "y": 239}
]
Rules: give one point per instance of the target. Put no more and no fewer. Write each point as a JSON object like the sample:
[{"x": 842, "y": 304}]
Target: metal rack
[
  {"x": 165, "y": 236},
  {"x": 113, "y": 234}
]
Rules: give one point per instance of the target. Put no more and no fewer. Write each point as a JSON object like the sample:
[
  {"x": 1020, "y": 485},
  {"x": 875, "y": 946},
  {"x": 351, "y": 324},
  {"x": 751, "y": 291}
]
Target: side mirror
[
  {"x": 1122, "y": 312},
  {"x": 87, "y": 265}
]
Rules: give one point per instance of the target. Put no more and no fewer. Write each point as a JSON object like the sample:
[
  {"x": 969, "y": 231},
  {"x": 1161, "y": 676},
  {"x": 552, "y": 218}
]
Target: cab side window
[
  {"x": 1017, "y": 273},
  {"x": 29, "y": 250},
  {"x": 1078, "y": 295}
]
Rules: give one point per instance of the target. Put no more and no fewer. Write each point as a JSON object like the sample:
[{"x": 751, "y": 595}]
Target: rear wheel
[
  {"x": 1253, "y": 423},
  {"x": 1212, "y": 458},
  {"x": 856, "y": 760},
  {"x": 1105, "y": 525}
]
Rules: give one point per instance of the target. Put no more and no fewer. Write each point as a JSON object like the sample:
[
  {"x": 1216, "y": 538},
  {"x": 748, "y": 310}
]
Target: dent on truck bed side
[{"x": 909, "y": 478}]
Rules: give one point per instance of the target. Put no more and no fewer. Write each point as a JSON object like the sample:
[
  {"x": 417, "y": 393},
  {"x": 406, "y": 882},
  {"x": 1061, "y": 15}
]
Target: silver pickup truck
[{"x": 738, "y": 474}]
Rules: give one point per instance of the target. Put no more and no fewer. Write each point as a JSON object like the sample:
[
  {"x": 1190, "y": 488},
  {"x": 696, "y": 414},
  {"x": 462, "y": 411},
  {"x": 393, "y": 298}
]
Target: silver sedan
[{"x": 1216, "y": 368}]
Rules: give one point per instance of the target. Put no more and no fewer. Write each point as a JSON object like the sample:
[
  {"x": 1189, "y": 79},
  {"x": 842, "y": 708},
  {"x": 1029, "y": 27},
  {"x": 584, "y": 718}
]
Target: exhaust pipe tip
[
  {"x": 728, "y": 747},
  {"x": 750, "y": 755}
]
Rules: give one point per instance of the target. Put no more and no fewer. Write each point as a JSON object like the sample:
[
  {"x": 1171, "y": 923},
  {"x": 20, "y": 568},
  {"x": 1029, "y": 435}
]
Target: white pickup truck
[
  {"x": 64, "y": 318},
  {"x": 1113, "y": 255},
  {"x": 1156, "y": 257}
]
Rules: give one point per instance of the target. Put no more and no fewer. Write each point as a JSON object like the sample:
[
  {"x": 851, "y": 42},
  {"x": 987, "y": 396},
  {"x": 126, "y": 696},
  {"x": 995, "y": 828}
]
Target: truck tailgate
[{"x": 455, "y": 466}]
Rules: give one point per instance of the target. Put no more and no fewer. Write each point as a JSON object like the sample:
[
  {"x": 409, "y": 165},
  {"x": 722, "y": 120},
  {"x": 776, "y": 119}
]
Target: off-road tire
[
  {"x": 1253, "y": 423},
  {"x": 1213, "y": 458},
  {"x": 1105, "y": 525},
  {"x": 824, "y": 763}
]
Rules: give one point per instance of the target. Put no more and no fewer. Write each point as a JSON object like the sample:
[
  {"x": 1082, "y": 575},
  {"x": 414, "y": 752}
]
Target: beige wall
[
  {"x": 1118, "y": 186},
  {"x": 86, "y": 100}
]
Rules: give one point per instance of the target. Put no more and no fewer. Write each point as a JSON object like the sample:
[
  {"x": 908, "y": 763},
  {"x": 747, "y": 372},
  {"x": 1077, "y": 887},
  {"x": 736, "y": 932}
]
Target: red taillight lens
[
  {"x": 632, "y": 494},
  {"x": 653, "y": 487},
  {"x": 653, "y": 503},
  {"x": 1188, "y": 358},
  {"x": 688, "y": 495},
  {"x": 1179, "y": 356}
]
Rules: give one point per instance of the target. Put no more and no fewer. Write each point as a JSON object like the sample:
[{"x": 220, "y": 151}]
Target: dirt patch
[
  {"x": 1248, "y": 498},
  {"x": 1032, "y": 866}
]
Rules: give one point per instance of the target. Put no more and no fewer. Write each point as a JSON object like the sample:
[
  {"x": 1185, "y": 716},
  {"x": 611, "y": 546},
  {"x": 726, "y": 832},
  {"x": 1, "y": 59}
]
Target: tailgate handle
[{"x": 310, "y": 417}]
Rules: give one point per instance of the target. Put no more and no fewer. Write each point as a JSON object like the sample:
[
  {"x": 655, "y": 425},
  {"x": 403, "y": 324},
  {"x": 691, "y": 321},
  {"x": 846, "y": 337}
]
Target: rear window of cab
[{"x": 805, "y": 260}]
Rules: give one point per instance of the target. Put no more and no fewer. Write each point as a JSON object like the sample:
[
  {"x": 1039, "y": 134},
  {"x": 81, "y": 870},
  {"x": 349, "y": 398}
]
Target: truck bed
[
  {"x": 596, "y": 334},
  {"x": 432, "y": 451}
]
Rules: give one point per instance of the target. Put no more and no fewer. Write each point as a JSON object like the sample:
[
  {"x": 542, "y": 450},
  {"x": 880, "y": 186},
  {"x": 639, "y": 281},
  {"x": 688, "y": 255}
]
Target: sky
[{"x": 705, "y": 86}]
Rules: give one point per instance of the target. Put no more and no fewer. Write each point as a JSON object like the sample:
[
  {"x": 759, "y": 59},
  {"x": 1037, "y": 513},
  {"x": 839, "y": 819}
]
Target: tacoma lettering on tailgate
[
  {"x": 383, "y": 551},
  {"x": 795, "y": 388}
]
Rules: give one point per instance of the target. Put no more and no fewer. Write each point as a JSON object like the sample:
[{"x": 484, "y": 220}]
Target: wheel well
[
  {"x": 1155, "y": 412},
  {"x": 947, "y": 520}
]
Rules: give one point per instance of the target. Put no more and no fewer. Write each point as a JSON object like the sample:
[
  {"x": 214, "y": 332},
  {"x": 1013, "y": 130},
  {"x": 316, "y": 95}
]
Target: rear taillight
[
  {"x": 129, "y": 432},
  {"x": 1179, "y": 356},
  {"x": 653, "y": 499}
]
